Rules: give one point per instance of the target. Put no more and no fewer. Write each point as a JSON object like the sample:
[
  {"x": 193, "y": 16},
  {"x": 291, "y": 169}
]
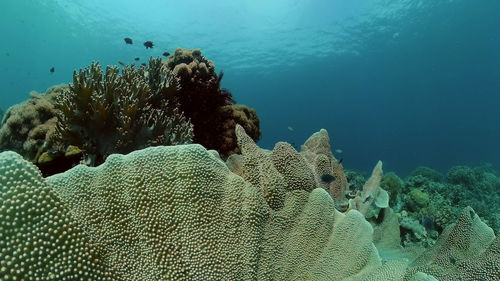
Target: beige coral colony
[{"x": 182, "y": 213}]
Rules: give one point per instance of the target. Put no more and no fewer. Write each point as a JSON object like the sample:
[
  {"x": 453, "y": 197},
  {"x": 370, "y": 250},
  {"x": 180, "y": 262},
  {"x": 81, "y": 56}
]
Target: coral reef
[
  {"x": 231, "y": 115},
  {"x": 372, "y": 197},
  {"x": 394, "y": 186},
  {"x": 209, "y": 107},
  {"x": 106, "y": 113},
  {"x": 428, "y": 193},
  {"x": 428, "y": 173},
  {"x": 466, "y": 250},
  {"x": 1, "y": 115},
  {"x": 179, "y": 213},
  {"x": 356, "y": 179},
  {"x": 26, "y": 128}
]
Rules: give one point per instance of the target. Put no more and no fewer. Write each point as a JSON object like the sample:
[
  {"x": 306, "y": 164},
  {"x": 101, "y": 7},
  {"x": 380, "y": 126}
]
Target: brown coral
[
  {"x": 26, "y": 126},
  {"x": 106, "y": 113},
  {"x": 210, "y": 108}
]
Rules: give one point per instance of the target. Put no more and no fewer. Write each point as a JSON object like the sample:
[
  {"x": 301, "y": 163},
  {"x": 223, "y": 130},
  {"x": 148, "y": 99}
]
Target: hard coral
[
  {"x": 210, "y": 108},
  {"x": 106, "y": 113},
  {"x": 174, "y": 213},
  {"x": 232, "y": 115},
  {"x": 467, "y": 250},
  {"x": 26, "y": 127},
  {"x": 179, "y": 213},
  {"x": 394, "y": 185},
  {"x": 428, "y": 173},
  {"x": 372, "y": 198}
]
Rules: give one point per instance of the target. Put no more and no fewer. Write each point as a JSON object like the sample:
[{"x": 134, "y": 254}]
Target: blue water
[{"x": 407, "y": 82}]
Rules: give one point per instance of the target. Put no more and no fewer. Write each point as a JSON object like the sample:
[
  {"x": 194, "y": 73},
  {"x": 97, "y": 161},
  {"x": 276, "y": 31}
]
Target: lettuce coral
[{"x": 179, "y": 213}]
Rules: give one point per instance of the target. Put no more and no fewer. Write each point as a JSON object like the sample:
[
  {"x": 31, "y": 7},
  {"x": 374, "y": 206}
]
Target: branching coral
[
  {"x": 170, "y": 102},
  {"x": 106, "y": 113},
  {"x": 209, "y": 107}
]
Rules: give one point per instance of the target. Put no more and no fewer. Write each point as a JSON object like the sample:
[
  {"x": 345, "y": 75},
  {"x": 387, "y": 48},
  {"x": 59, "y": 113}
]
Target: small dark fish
[
  {"x": 52, "y": 70},
  {"x": 143, "y": 64},
  {"x": 340, "y": 160},
  {"x": 427, "y": 222},
  {"x": 128, "y": 41},
  {"x": 327, "y": 178},
  {"x": 166, "y": 54},
  {"x": 136, "y": 59},
  {"x": 122, "y": 63},
  {"x": 148, "y": 44}
]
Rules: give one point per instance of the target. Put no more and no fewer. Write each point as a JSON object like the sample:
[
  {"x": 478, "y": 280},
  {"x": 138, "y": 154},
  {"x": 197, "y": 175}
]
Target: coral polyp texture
[
  {"x": 210, "y": 108},
  {"x": 27, "y": 127},
  {"x": 109, "y": 112},
  {"x": 181, "y": 213}
]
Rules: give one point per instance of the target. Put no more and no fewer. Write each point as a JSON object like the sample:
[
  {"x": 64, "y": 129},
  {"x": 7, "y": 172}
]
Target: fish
[
  {"x": 338, "y": 150},
  {"x": 122, "y": 63},
  {"x": 128, "y": 41},
  {"x": 427, "y": 222},
  {"x": 143, "y": 64},
  {"x": 166, "y": 54},
  {"x": 340, "y": 161},
  {"x": 290, "y": 128},
  {"x": 136, "y": 59},
  {"x": 327, "y": 178},
  {"x": 148, "y": 44},
  {"x": 52, "y": 70}
]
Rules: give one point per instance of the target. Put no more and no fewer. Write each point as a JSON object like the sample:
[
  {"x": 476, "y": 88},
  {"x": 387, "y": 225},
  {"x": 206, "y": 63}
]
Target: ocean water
[{"x": 406, "y": 82}]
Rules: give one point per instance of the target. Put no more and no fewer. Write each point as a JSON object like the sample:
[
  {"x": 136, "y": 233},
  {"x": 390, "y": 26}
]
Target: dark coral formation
[
  {"x": 26, "y": 128},
  {"x": 210, "y": 108},
  {"x": 106, "y": 113}
]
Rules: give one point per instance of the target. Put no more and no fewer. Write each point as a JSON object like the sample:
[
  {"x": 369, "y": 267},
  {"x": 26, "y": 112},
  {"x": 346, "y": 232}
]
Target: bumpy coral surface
[
  {"x": 26, "y": 128},
  {"x": 210, "y": 108},
  {"x": 106, "y": 113},
  {"x": 179, "y": 213}
]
